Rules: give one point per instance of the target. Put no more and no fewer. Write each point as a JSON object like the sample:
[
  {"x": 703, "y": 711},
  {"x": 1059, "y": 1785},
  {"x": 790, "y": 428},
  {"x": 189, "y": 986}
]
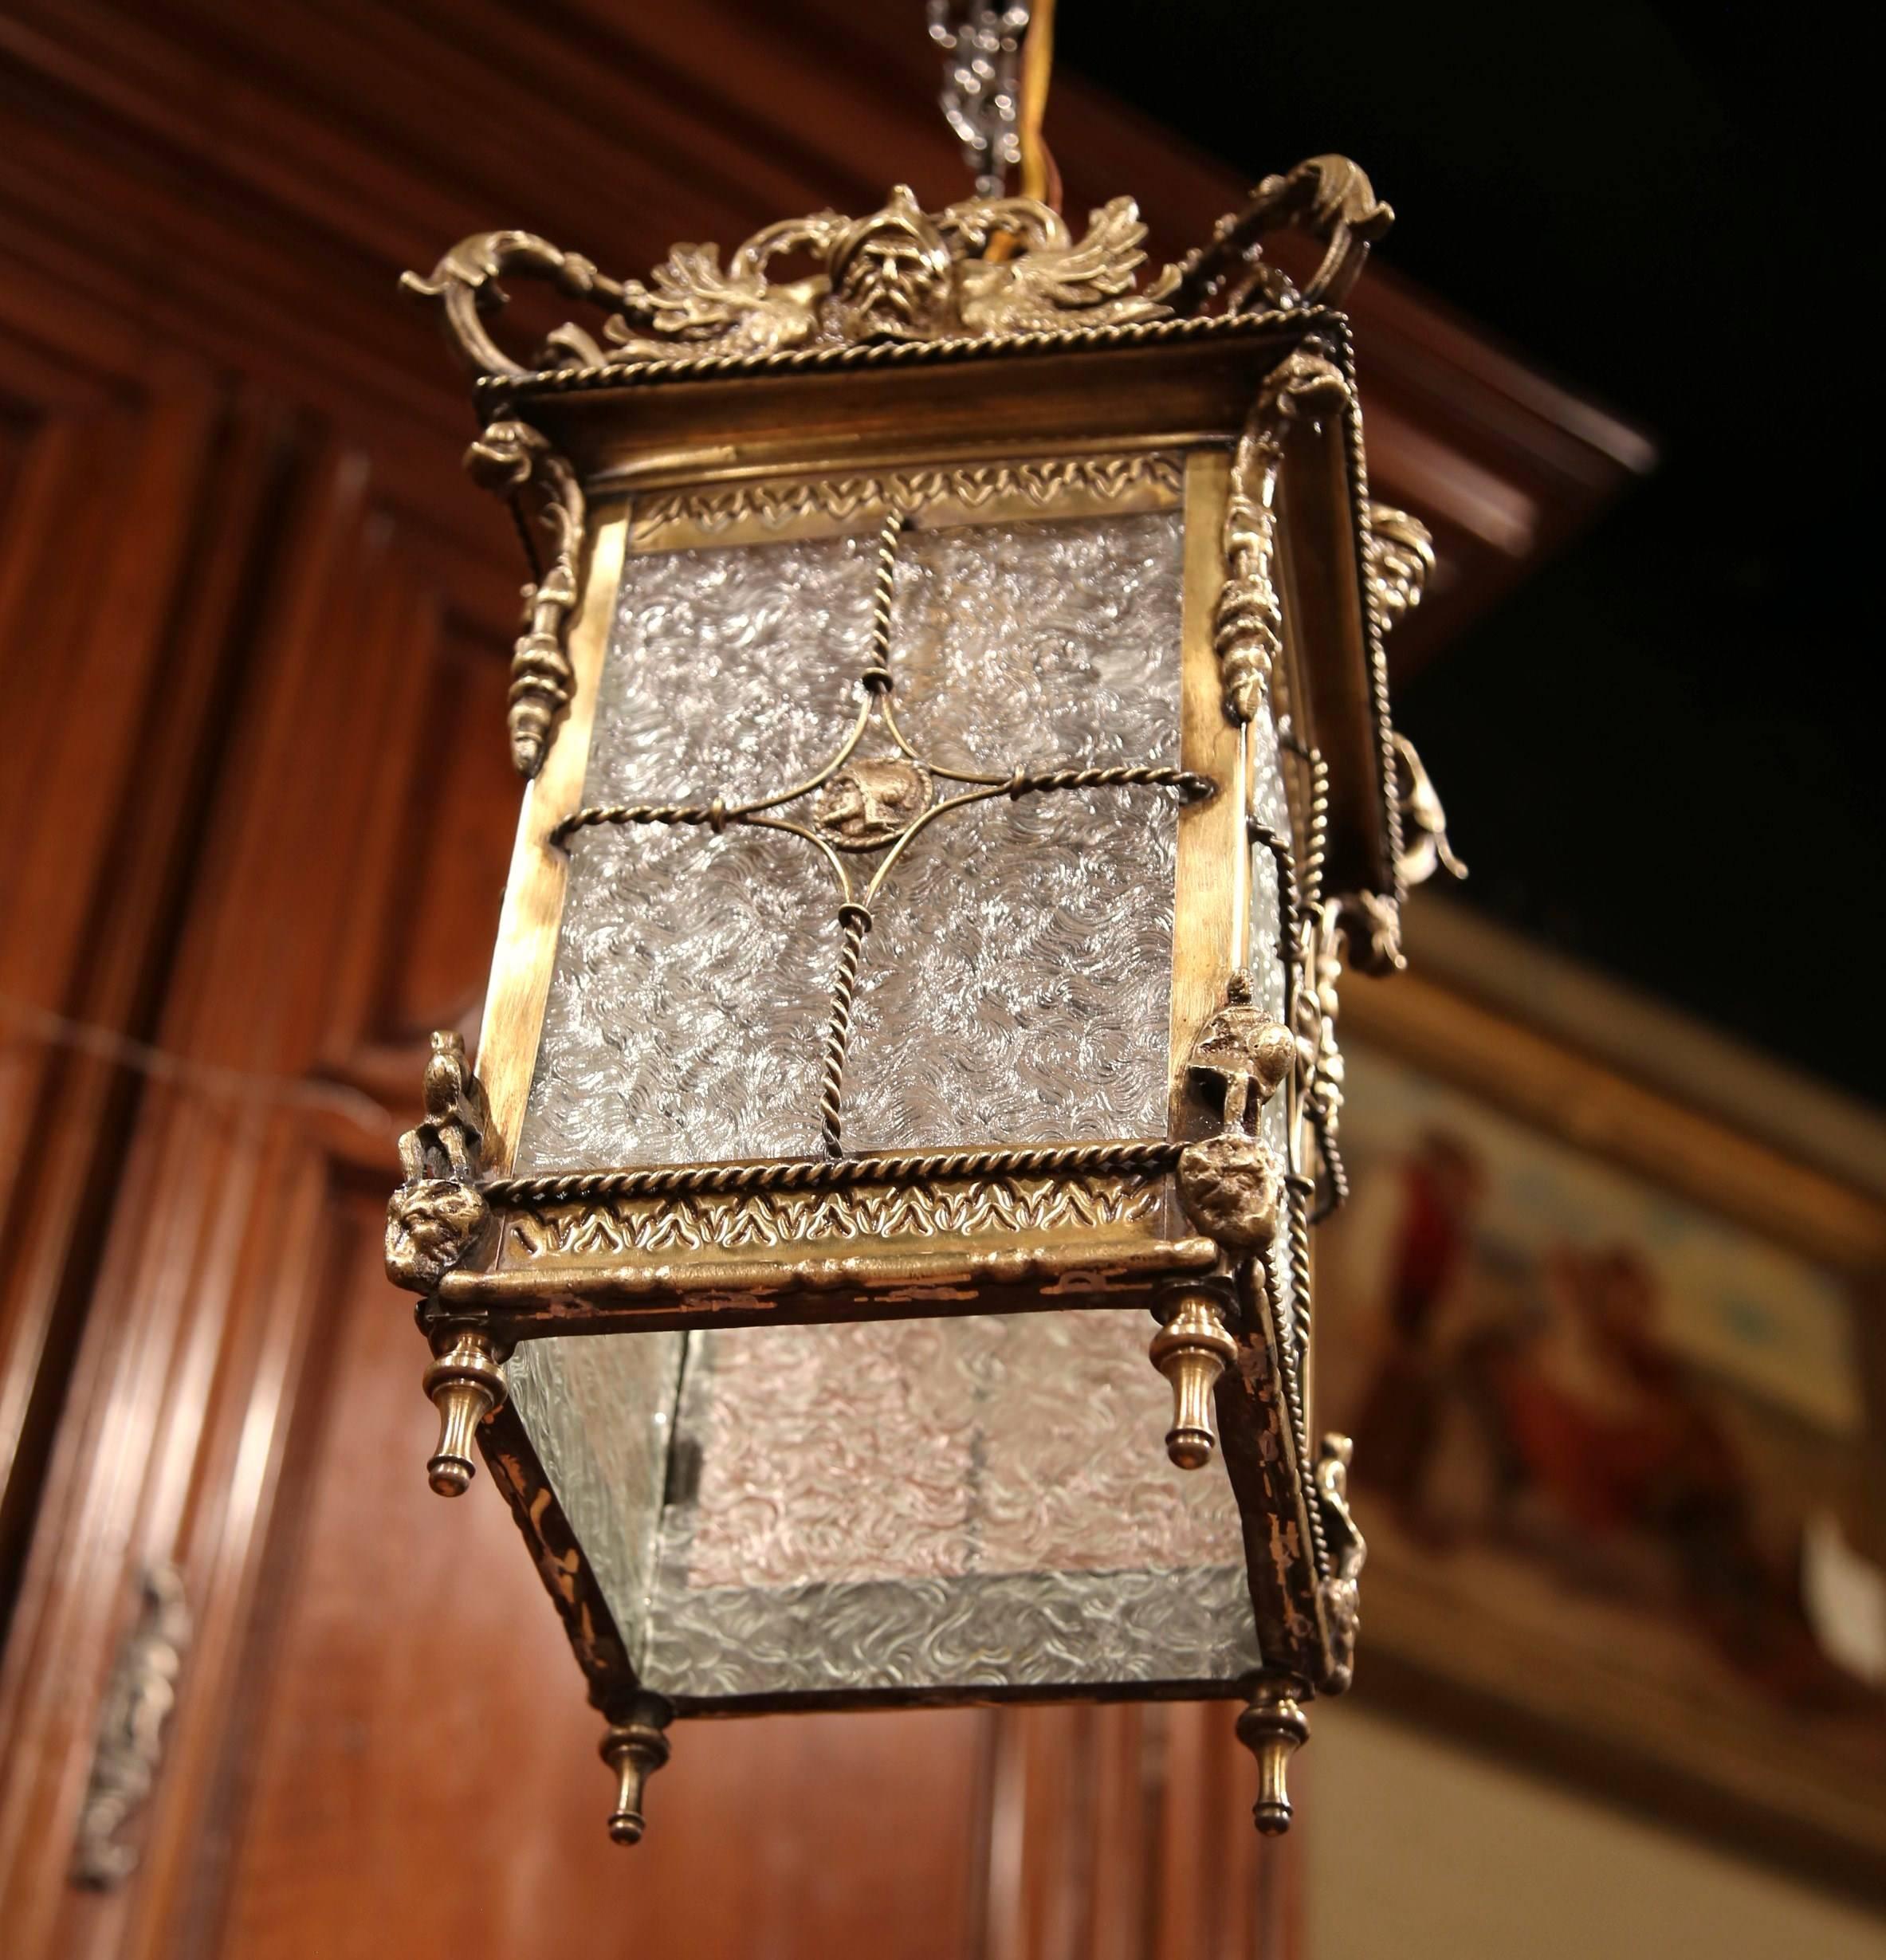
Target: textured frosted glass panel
[
  {"x": 1050, "y": 1632},
  {"x": 598, "y": 1411},
  {"x": 1038, "y": 643},
  {"x": 693, "y": 981},
  {"x": 694, "y": 972},
  {"x": 799, "y": 1429},
  {"x": 730, "y": 671},
  {"x": 918, "y": 1449},
  {"x": 976, "y": 1502},
  {"x": 1016, "y": 983}
]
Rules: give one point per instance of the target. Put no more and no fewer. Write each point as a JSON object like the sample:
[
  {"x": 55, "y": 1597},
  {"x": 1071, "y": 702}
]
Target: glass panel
[
  {"x": 909, "y": 1506},
  {"x": 1014, "y": 983},
  {"x": 599, "y": 1414},
  {"x": 694, "y": 972}
]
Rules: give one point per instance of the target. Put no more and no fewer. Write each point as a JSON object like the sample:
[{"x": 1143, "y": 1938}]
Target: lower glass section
[{"x": 904, "y": 1509}]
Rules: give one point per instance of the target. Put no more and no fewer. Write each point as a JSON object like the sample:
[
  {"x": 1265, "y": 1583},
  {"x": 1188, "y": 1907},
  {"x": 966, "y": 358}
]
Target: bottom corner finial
[
  {"x": 1192, "y": 1350},
  {"x": 465, "y": 1383},
  {"x": 1273, "y": 1727},
  {"x": 635, "y": 1749}
]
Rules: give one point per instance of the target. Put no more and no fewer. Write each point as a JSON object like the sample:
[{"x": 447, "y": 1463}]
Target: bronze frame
[{"x": 874, "y": 392}]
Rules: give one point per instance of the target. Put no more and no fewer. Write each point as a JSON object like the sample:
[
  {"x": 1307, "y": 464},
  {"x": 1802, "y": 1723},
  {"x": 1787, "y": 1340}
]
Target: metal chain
[{"x": 981, "y": 98}]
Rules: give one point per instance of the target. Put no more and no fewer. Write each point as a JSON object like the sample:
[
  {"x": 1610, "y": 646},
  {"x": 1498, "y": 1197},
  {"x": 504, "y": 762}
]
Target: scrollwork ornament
[
  {"x": 1348, "y": 1550},
  {"x": 1424, "y": 823},
  {"x": 511, "y": 458},
  {"x": 1247, "y": 630},
  {"x": 1329, "y": 197},
  {"x": 465, "y": 283}
]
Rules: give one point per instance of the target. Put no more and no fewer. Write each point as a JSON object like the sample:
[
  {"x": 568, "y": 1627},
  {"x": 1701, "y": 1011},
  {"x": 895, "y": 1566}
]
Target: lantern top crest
[{"x": 986, "y": 269}]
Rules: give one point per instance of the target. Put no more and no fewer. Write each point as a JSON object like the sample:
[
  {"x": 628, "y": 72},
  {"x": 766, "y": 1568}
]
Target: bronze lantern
[{"x": 958, "y": 763}]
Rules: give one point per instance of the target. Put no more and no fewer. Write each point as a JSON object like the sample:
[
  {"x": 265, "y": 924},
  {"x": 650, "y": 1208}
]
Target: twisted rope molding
[
  {"x": 914, "y": 353},
  {"x": 1153, "y": 1156}
]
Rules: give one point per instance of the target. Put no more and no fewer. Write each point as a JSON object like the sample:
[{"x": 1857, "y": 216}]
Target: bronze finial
[
  {"x": 1192, "y": 1350},
  {"x": 635, "y": 1749},
  {"x": 1274, "y": 1727},
  {"x": 465, "y": 1384}
]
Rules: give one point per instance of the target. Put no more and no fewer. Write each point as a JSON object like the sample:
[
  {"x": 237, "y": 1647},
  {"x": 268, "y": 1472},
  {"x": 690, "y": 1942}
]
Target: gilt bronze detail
[
  {"x": 1192, "y": 1350},
  {"x": 635, "y": 1749},
  {"x": 1425, "y": 849},
  {"x": 982, "y": 364},
  {"x": 1066, "y": 486},
  {"x": 513, "y": 460},
  {"x": 611, "y": 1227},
  {"x": 438, "y": 1214},
  {"x": 1274, "y": 1727},
  {"x": 1400, "y": 558},
  {"x": 465, "y": 1383},
  {"x": 1347, "y": 1551}
]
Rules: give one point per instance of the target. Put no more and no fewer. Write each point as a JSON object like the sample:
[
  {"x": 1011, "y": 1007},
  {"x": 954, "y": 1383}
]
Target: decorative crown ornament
[{"x": 984, "y": 269}]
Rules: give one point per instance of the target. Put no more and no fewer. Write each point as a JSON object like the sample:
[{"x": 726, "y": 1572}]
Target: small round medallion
[{"x": 872, "y": 801}]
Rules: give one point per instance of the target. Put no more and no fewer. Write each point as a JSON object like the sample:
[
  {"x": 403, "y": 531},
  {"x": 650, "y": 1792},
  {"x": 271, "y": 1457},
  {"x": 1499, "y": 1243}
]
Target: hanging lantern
[{"x": 954, "y": 720}]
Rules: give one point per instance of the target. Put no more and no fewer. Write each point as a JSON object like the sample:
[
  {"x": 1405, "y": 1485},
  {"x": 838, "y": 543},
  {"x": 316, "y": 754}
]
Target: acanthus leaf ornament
[{"x": 899, "y": 274}]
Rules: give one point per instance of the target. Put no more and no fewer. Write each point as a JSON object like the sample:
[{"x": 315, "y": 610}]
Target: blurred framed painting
[{"x": 1610, "y": 1354}]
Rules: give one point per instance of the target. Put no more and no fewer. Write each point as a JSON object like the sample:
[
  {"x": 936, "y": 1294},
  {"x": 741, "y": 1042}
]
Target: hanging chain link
[{"x": 981, "y": 96}]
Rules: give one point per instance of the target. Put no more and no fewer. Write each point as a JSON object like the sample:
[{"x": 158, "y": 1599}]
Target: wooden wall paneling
[
  {"x": 142, "y": 1472},
  {"x": 1123, "y": 1832},
  {"x": 125, "y": 592}
]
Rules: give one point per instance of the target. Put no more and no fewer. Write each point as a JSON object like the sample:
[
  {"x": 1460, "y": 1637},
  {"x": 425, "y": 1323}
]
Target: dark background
[{"x": 1661, "y": 754}]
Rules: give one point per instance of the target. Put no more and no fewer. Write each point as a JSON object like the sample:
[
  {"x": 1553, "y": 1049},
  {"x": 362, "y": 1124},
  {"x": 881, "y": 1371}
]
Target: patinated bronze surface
[{"x": 980, "y": 364}]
